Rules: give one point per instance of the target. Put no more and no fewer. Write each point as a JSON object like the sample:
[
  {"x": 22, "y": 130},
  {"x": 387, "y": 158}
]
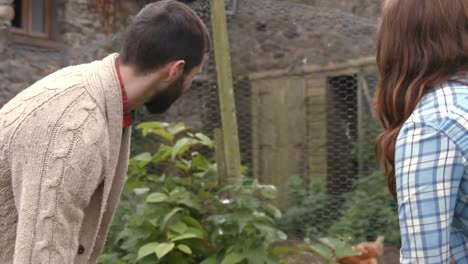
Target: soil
[{"x": 391, "y": 255}]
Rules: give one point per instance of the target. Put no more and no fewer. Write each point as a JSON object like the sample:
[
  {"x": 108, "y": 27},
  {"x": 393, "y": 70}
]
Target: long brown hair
[{"x": 420, "y": 45}]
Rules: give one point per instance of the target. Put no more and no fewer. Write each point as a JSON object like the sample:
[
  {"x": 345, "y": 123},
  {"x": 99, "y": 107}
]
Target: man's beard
[{"x": 161, "y": 102}]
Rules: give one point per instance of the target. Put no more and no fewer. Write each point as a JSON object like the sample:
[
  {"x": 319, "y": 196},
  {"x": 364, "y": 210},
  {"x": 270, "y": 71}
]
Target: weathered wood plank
[
  {"x": 225, "y": 86},
  {"x": 316, "y": 127},
  {"x": 221, "y": 157},
  {"x": 255, "y": 110},
  {"x": 279, "y": 131},
  {"x": 281, "y": 144},
  {"x": 361, "y": 64}
]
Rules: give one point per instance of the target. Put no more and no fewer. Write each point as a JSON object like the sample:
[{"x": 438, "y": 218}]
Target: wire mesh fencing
[{"x": 304, "y": 78}]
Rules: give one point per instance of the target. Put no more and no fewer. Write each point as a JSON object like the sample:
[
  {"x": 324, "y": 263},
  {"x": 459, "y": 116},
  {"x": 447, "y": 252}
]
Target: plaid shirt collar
[{"x": 127, "y": 117}]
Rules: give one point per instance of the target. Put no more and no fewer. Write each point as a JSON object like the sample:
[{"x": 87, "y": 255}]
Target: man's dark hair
[{"x": 162, "y": 32}]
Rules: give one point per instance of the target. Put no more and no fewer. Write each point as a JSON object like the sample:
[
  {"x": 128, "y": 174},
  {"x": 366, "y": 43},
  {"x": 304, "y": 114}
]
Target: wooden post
[
  {"x": 255, "y": 124},
  {"x": 225, "y": 88},
  {"x": 220, "y": 156},
  {"x": 361, "y": 83}
]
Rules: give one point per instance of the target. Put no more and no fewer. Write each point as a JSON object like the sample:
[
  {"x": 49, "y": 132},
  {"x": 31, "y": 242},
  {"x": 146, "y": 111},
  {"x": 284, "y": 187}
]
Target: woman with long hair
[{"x": 422, "y": 102}]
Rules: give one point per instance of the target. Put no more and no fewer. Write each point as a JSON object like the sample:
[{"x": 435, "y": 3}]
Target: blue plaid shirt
[{"x": 432, "y": 178}]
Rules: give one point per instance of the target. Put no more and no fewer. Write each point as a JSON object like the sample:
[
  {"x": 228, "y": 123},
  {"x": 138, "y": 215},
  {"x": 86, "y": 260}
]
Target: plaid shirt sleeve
[{"x": 429, "y": 168}]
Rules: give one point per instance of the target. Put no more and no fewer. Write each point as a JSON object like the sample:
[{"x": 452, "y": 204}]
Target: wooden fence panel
[{"x": 279, "y": 130}]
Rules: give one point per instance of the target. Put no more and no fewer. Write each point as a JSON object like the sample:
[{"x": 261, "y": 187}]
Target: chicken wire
[{"x": 272, "y": 35}]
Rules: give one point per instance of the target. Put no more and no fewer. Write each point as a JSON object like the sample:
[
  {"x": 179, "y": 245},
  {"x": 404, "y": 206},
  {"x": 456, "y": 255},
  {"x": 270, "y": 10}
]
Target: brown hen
[{"x": 370, "y": 251}]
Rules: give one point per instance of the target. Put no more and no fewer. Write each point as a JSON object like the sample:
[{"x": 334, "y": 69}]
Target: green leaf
[
  {"x": 185, "y": 249},
  {"x": 278, "y": 251},
  {"x": 319, "y": 249},
  {"x": 179, "y": 227},
  {"x": 159, "y": 179},
  {"x": 340, "y": 247},
  {"x": 186, "y": 236},
  {"x": 133, "y": 183},
  {"x": 259, "y": 255},
  {"x": 200, "y": 163},
  {"x": 198, "y": 232},
  {"x": 140, "y": 191},
  {"x": 163, "y": 134},
  {"x": 241, "y": 217},
  {"x": 170, "y": 234},
  {"x": 233, "y": 258},
  {"x": 282, "y": 235},
  {"x": 156, "y": 198},
  {"x": 181, "y": 146},
  {"x": 178, "y": 193},
  {"x": 182, "y": 165},
  {"x": 346, "y": 252},
  {"x": 169, "y": 216},
  {"x": 192, "y": 203},
  {"x": 271, "y": 232},
  {"x": 268, "y": 191},
  {"x": 330, "y": 242},
  {"x": 163, "y": 153},
  {"x": 204, "y": 195},
  {"x": 143, "y": 157},
  {"x": 147, "y": 250},
  {"x": 163, "y": 249},
  {"x": 177, "y": 128},
  {"x": 192, "y": 222},
  {"x": 264, "y": 219},
  {"x": 271, "y": 210},
  {"x": 205, "y": 140},
  {"x": 210, "y": 260},
  {"x": 187, "y": 181},
  {"x": 151, "y": 125}
]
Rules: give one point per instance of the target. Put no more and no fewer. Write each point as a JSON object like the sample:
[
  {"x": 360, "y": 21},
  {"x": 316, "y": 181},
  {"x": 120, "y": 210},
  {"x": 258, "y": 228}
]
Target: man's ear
[{"x": 176, "y": 69}]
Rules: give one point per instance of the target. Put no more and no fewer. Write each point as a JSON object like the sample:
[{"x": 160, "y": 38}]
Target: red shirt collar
[{"x": 127, "y": 117}]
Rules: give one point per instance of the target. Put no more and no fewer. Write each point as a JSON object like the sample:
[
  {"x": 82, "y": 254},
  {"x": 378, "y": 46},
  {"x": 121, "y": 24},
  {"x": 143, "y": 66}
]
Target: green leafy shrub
[
  {"x": 310, "y": 212},
  {"x": 174, "y": 211},
  {"x": 330, "y": 249},
  {"x": 369, "y": 211}
]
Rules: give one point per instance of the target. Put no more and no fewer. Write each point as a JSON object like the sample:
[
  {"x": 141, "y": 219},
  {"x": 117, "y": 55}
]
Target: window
[
  {"x": 32, "y": 17},
  {"x": 32, "y": 22}
]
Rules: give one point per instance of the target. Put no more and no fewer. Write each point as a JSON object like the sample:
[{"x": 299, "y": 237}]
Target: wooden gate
[{"x": 289, "y": 121}]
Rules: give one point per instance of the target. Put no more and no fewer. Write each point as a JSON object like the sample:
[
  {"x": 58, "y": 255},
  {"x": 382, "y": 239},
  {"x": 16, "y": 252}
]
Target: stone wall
[
  {"x": 365, "y": 8},
  {"x": 80, "y": 26},
  {"x": 277, "y": 35},
  {"x": 23, "y": 66},
  {"x": 271, "y": 34}
]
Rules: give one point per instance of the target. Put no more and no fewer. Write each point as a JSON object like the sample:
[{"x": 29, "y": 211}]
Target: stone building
[
  {"x": 38, "y": 37},
  {"x": 57, "y": 33},
  {"x": 277, "y": 48}
]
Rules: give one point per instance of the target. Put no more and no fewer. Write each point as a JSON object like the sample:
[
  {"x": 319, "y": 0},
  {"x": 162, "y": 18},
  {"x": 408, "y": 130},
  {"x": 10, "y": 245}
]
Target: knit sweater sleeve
[{"x": 57, "y": 164}]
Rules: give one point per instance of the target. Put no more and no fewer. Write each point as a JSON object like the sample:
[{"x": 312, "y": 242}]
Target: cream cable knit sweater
[{"x": 63, "y": 162}]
